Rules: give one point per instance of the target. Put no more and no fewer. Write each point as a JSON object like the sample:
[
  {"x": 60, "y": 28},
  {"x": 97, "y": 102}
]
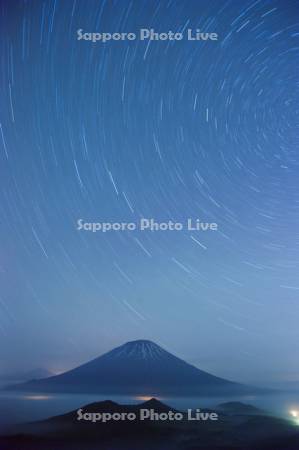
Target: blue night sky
[{"x": 169, "y": 130}]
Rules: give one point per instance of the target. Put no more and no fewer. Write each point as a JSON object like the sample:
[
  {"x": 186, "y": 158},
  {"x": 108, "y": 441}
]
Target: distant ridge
[
  {"x": 137, "y": 368},
  {"x": 242, "y": 427}
]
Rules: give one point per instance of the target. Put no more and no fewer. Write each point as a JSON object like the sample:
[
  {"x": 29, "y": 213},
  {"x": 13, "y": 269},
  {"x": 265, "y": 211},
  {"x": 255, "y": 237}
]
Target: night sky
[{"x": 169, "y": 130}]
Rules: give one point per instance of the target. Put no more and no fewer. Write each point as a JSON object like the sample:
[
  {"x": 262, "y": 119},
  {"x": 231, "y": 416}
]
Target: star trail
[{"x": 167, "y": 129}]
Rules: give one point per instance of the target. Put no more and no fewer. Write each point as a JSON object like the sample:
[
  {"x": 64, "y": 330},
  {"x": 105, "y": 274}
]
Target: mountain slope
[{"x": 137, "y": 367}]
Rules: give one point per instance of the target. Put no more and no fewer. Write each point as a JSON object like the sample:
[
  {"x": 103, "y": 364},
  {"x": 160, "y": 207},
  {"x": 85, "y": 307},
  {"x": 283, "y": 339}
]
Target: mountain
[
  {"x": 240, "y": 408},
  {"x": 140, "y": 368},
  {"x": 236, "y": 431},
  {"x": 110, "y": 407},
  {"x": 33, "y": 374}
]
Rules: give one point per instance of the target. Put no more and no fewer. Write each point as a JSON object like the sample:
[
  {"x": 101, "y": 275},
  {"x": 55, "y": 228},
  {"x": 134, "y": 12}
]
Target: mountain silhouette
[
  {"x": 111, "y": 407},
  {"x": 243, "y": 427},
  {"x": 140, "y": 368},
  {"x": 33, "y": 374}
]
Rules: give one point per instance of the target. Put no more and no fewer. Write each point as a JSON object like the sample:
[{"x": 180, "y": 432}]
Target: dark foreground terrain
[{"x": 239, "y": 427}]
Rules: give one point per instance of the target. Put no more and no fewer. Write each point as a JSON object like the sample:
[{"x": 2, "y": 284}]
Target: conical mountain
[{"x": 139, "y": 368}]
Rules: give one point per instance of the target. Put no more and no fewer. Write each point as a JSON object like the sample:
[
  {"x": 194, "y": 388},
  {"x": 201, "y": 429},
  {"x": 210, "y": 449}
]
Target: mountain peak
[
  {"x": 141, "y": 349},
  {"x": 141, "y": 342}
]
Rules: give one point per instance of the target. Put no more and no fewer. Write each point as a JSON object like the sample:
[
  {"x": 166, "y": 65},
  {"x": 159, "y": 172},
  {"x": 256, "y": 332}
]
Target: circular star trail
[{"x": 122, "y": 130}]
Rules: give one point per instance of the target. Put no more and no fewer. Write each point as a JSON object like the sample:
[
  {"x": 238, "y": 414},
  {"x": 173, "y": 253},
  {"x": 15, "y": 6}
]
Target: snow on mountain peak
[{"x": 142, "y": 349}]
